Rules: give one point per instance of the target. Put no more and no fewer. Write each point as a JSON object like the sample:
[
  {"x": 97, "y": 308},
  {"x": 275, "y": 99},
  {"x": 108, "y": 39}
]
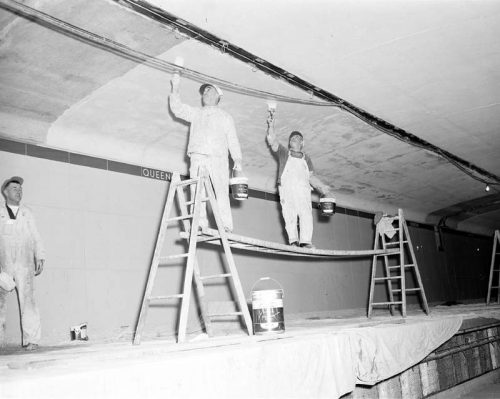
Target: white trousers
[
  {"x": 23, "y": 274},
  {"x": 295, "y": 199},
  {"x": 219, "y": 173}
]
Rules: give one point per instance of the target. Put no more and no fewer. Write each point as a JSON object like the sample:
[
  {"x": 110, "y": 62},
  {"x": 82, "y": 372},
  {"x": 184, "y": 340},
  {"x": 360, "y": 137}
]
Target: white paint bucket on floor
[
  {"x": 239, "y": 187},
  {"x": 267, "y": 308},
  {"x": 79, "y": 332},
  {"x": 327, "y": 206}
]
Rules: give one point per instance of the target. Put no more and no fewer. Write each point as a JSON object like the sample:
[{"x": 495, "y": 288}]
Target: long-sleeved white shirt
[{"x": 212, "y": 130}]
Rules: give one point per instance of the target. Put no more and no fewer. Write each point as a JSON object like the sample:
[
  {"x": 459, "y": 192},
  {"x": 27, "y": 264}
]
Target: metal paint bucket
[
  {"x": 267, "y": 309},
  {"x": 239, "y": 188},
  {"x": 327, "y": 206},
  {"x": 79, "y": 332}
]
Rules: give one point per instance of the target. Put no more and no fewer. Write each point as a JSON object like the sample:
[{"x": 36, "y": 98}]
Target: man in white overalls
[
  {"x": 22, "y": 257},
  {"x": 212, "y": 137},
  {"x": 295, "y": 177}
]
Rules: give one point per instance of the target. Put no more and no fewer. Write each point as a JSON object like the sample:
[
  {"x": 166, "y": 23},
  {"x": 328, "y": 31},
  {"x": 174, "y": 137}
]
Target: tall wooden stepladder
[
  {"x": 494, "y": 268},
  {"x": 395, "y": 274},
  {"x": 202, "y": 192}
]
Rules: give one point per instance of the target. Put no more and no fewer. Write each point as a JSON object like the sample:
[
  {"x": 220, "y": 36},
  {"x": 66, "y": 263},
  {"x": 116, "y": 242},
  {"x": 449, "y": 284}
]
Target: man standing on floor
[
  {"x": 295, "y": 178},
  {"x": 22, "y": 257},
  {"x": 212, "y": 138}
]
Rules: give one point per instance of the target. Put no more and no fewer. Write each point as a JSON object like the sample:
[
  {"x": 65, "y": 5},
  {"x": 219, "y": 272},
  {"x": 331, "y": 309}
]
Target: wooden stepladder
[
  {"x": 494, "y": 268},
  {"x": 201, "y": 192},
  {"x": 396, "y": 264}
]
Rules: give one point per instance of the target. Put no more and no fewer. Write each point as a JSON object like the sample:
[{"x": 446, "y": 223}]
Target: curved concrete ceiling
[{"x": 431, "y": 68}]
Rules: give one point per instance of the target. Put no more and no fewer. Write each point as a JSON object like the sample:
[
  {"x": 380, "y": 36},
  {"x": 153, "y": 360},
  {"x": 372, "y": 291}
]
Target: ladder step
[
  {"x": 216, "y": 276},
  {"x": 392, "y": 251},
  {"x": 407, "y": 290},
  {"x": 396, "y": 242},
  {"x": 399, "y": 266},
  {"x": 188, "y": 216},
  {"x": 387, "y": 278},
  {"x": 164, "y": 259},
  {"x": 225, "y": 314},
  {"x": 387, "y": 303},
  {"x": 205, "y": 199},
  {"x": 188, "y": 182},
  {"x": 162, "y": 297}
]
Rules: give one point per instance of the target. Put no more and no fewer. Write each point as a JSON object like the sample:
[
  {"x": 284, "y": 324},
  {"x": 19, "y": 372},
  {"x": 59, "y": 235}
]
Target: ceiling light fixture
[{"x": 487, "y": 188}]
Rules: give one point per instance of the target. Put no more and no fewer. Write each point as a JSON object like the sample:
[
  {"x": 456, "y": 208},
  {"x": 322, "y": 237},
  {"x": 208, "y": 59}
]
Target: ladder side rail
[
  {"x": 388, "y": 274},
  {"x": 188, "y": 277},
  {"x": 167, "y": 209},
  {"x": 373, "y": 272},
  {"x": 200, "y": 290},
  {"x": 492, "y": 267},
  {"x": 497, "y": 234},
  {"x": 229, "y": 256},
  {"x": 402, "y": 261},
  {"x": 415, "y": 267}
]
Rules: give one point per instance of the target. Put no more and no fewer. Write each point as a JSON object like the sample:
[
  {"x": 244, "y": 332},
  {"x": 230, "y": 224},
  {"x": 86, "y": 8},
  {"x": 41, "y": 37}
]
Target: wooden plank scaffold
[
  {"x": 211, "y": 236},
  {"x": 395, "y": 274},
  {"x": 494, "y": 269}
]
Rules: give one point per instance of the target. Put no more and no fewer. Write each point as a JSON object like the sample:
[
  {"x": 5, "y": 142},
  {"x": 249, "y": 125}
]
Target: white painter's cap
[{"x": 217, "y": 88}]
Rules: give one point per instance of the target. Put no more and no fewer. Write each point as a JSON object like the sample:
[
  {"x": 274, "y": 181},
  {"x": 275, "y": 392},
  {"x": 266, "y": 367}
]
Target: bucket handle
[{"x": 264, "y": 279}]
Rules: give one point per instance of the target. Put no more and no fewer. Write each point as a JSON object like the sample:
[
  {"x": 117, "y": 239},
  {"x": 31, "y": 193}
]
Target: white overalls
[
  {"x": 212, "y": 138},
  {"x": 218, "y": 169},
  {"x": 295, "y": 198},
  {"x": 20, "y": 248}
]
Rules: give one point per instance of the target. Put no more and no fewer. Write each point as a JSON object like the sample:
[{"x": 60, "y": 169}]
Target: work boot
[
  {"x": 307, "y": 245},
  {"x": 31, "y": 347},
  {"x": 294, "y": 244}
]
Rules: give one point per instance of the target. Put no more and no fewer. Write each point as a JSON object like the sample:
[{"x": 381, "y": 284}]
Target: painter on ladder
[
  {"x": 22, "y": 257},
  {"x": 295, "y": 179},
  {"x": 212, "y": 138}
]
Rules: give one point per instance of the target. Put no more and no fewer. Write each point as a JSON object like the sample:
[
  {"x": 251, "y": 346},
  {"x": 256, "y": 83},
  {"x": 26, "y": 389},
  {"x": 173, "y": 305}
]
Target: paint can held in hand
[
  {"x": 327, "y": 206},
  {"x": 239, "y": 188}
]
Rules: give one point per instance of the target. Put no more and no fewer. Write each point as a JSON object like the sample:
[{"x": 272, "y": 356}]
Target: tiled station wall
[{"x": 98, "y": 219}]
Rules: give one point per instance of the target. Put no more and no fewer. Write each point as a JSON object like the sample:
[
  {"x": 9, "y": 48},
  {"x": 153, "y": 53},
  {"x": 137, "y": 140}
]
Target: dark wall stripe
[
  {"x": 127, "y": 168},
  {"x": 47, "y": 153},
  {"x": 84, "y": 160},
  {"x": 12, "y": 146}
]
